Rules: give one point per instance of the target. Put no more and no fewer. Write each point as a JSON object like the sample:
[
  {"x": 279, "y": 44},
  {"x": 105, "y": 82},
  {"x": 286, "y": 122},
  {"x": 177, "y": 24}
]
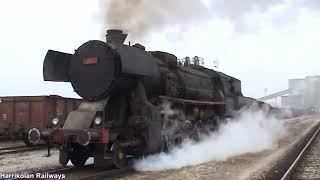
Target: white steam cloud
[
  {"x": 141, "y": 17},
  {"x": 252, "y": 131}
]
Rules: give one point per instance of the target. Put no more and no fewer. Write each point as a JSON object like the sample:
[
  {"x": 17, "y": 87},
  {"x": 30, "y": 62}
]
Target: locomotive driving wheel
[
  {"x": 63, "y": 158},
  {"x": 119, "y": 155},
  {"x": 199, "y": 131},
  {"x": 78, "y": 156},
  {"x": 170, "y": 143}
]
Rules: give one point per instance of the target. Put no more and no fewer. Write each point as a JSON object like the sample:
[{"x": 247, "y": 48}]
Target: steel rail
[
  {"x": 57, "y": 170},
  {"x": 18, "y": 149},
  {"x": 291, "y": 169},
  {"x": 109, "y": 173}
]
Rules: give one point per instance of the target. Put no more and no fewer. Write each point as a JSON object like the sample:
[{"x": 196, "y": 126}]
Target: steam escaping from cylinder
[
  {"x": 141, "y": 17},
  {"x": 252, "y": 131}
]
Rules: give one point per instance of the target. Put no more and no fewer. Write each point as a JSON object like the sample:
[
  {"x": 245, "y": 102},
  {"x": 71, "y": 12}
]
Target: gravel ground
[
  {"x": 29, "y": 161},
  {"x": 309, "y": 167},
  {"x": 246, "y": 166},
  {"x": 5, "y": 144},
  {"x": 276, "y": 164}
]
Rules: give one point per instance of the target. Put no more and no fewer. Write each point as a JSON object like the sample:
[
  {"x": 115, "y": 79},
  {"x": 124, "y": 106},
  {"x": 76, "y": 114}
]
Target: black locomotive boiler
[{"x": 136, "y": 102}]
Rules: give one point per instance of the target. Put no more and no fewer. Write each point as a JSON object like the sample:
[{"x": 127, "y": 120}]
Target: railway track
[
  {"x": 110, "y": 174},
  {"x": 302, "y": 168},
  {"x": 88, "y": 172},
  {"x": 19, "y": 149}
]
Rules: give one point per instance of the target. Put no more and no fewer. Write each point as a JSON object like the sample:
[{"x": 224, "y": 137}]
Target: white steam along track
[{"x": 234, "y": 167}]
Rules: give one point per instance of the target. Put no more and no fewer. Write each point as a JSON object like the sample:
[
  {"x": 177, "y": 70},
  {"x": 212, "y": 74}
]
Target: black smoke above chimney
[{"x": 116, "y": 36}]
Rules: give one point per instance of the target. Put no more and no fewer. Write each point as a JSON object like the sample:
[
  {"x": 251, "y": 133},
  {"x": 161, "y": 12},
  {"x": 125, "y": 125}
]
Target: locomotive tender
[{"x": 136, "y": 102}]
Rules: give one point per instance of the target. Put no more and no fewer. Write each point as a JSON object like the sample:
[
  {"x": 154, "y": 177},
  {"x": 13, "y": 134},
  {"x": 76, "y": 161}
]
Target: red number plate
[{"x": 90, "y": 60}]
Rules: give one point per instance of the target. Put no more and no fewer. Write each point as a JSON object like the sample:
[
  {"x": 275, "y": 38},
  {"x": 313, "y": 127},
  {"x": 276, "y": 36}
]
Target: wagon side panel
[
  {"x": 61, "y": 109},
  {"x": 21, "y": 116},
  {"x": 38, "y": 111},
  {"x": 6, "y": 117}
]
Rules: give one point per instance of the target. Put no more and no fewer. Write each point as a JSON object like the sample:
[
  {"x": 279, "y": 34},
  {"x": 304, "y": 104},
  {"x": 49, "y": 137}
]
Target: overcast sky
[{"x": 276, "y": 45}]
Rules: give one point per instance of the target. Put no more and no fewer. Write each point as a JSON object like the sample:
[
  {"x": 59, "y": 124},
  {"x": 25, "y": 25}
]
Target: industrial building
[{"x": 301, "y": 93}]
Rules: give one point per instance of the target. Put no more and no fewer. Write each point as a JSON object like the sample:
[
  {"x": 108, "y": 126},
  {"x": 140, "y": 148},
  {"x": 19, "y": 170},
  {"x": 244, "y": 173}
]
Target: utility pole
[
  {"x": 265, "y": 91},
  {"x": 216, "y": 63}
]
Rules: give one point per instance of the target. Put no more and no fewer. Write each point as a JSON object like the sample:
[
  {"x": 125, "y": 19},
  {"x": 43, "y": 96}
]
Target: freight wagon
[{"x": 20, "y": 113}]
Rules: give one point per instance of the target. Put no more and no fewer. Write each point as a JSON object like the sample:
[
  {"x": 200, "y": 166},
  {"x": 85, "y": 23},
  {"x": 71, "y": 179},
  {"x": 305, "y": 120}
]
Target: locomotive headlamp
[
  {"x": 97, "y": 120},
  {"x": 55, "y": 121}
]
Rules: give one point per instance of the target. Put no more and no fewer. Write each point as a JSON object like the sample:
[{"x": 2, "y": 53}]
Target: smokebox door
[{"x": 56, "y": 66}]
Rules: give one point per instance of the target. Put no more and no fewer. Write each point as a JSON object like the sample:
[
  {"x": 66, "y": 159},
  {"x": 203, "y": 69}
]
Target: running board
[{"x": 190, "y": 101}]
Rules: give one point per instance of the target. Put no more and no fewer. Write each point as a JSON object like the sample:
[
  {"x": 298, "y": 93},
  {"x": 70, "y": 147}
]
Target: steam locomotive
[{"x": 136, "y": 102}]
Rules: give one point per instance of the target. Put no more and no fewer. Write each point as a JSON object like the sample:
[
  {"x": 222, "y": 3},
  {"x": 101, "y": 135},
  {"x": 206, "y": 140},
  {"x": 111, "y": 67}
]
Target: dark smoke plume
[{"x": 141, "y": 17}]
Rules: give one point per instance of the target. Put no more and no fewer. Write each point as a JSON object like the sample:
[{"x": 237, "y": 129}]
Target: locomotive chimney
[{"x": 115, "y": 36}]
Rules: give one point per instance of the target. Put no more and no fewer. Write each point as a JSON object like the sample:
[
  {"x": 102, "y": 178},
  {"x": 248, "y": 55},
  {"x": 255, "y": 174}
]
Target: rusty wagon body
[{"x": 19, "y": 113}]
